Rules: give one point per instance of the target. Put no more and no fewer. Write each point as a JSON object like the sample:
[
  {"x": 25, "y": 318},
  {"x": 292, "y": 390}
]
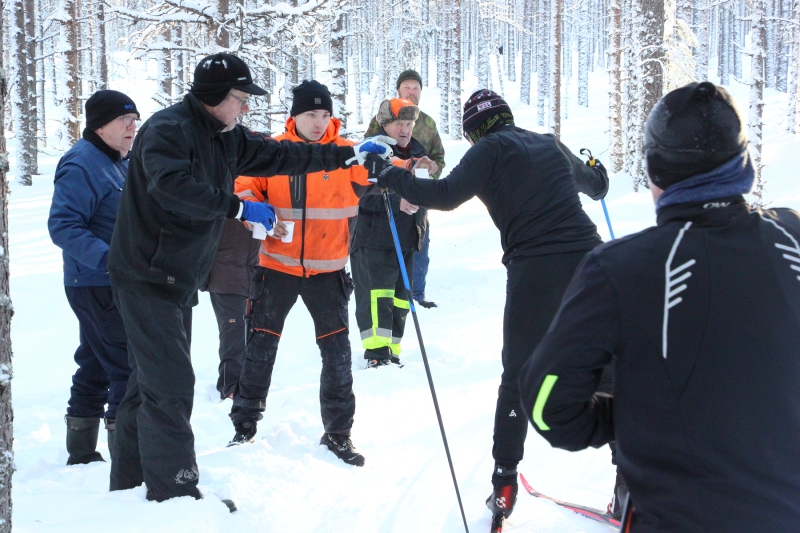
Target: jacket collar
[
  {"x": 93, "y": 138},
  {"x": 414, "y": 148},
  {"x": 200, "y": 115},
  {"x": 715, "y": 212},
  {"x": 330, "y": 135}
]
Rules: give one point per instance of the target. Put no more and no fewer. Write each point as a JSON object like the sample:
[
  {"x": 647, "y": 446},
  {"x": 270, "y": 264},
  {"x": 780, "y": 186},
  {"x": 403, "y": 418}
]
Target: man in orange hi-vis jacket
[{"x": 321, "y": 206}]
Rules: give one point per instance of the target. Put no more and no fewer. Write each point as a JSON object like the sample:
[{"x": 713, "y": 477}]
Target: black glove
[
  {"x": 376, "y": 166},
  {"x": 595, "y": 163}
]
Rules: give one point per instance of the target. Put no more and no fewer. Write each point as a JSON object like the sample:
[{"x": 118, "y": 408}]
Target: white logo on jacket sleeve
[
  {"x": 794, "y": 251},
  {"x": 673, "y": 289}
]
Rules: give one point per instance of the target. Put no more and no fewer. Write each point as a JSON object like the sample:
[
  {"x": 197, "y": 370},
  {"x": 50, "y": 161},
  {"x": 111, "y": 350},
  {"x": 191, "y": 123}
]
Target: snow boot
[
  {"x": 245, "y": 431},
  {"x": 82, "y": 440},
  {"x": 343, "y": 448},
  {"x": 504, "y": 495},
  {"x": 617, "y": 504},
  {"x": 111, "y": 428}
]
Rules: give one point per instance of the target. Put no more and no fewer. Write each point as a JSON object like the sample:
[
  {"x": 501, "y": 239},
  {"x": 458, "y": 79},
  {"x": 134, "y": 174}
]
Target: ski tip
[{"x": 525, "y": 482}]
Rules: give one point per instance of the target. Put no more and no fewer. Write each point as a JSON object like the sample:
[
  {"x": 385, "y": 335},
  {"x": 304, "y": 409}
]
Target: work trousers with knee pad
[
  {"x": 534, "y": 288},
  {"x": 273, "y": 296}
]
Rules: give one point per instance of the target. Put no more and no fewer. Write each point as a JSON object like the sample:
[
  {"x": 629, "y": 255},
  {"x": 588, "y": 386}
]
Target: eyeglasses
[
  {"x": 243, "y": 101},
  {"x": 128, "y": 120}
]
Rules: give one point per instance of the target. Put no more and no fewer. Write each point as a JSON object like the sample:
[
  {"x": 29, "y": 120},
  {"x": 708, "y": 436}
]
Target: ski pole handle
[{"x": 588, "y": 153}]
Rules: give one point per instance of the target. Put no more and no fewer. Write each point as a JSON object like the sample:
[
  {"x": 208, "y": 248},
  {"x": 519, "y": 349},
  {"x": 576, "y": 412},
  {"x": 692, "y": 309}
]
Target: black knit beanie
[
  {"x": 104, "y": 106},
  {"x": 310, "y": 95},
  {"x": 692, "y": 130},
  {"x": 485, "y": 111},
  {"x": 408, "y": 75}
]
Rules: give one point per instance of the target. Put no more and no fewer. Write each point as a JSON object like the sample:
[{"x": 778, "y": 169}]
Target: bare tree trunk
[
  {"x": 482, "y": 50},
  {"x": 337, "y": 70},
  {"x": 791, "y": 112},
  {"x": 223, "y": 36},
  {"x": 23, "y": 132},
  {"x": 30, "y": 53},
  {"x": 542, "y": 57},
  {"x": 443, "y": 68},
  {"x": 6, "y": 312},
  {"x": 615, "y": 86},
  {"x": 40, "y": 87},
  {"x": 455, "y": 72},
  {"x": 527, "y": 51},
  {"x": 101, "y": 50},
  {"x": 70, "y": 98},
  {"x": 555, "y": 68},
  {"x": 758, "y": 32},
  {"x": 423, "y": 71},
  {"x": 701, "y": 69},
  {"x": 583, "y": 54}
]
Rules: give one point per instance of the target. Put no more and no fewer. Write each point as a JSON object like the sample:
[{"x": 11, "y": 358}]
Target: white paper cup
[
  {"x": 290, "y": 229},
  {"x": 259, "y": 231},
  {"x": 421, "y": 173}
]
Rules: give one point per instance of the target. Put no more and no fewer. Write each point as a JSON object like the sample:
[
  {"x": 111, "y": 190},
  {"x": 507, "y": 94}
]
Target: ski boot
[
  {"x": 617, "y": 504},
  {"x": 82, "y": 440},
  {"x": 343, "y": 448},
  {"x": 245, "y": 431},
  {"x": 378, "y": 357},
  {"x": 504, "y": 496}
]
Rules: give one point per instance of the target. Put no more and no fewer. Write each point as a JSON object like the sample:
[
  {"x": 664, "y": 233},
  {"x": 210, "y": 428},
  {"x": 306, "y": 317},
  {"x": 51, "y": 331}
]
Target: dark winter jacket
[
  {"x": 529, "y": 183},
  {"x": 88, "y": 181},
  {"x": 372, "y": 226},
  {"x": 235, "y": 262},
  {"x": 703, "y": 314},
  {"x": 425, "y": 132},
  {"x": 179, "y": 191}
]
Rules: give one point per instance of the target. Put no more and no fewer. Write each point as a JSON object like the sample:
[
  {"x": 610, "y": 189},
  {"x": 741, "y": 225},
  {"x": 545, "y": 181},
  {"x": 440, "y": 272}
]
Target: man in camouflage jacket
[{"x": 409, "y": 86}]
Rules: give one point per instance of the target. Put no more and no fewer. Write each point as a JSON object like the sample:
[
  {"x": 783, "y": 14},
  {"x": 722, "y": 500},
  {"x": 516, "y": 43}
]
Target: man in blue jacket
[{"x": 88, "y": 183}]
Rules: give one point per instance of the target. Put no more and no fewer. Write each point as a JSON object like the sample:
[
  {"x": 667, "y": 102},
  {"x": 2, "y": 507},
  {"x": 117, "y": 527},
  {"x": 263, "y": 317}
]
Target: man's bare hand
[
  {"x": 280, "y": 230},
  {"x": 427, "y": 162},
  {"x": 407, "y": 207}
]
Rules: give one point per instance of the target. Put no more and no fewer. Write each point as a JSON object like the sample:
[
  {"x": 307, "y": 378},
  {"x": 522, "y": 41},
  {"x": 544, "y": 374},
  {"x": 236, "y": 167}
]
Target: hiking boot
[
  {"x": 82, "y": 440},
  {"x": 617, "y": 505},
  {"x": 504, "y": 495},
  {"x": 245, "y": 431},
  {"x": 343, "y": 448}
]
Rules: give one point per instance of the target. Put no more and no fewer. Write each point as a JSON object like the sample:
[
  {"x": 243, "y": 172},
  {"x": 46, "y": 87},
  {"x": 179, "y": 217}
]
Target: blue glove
[
  {"x": 380, "y": 144},
  {"x": 258, "y": 212}
]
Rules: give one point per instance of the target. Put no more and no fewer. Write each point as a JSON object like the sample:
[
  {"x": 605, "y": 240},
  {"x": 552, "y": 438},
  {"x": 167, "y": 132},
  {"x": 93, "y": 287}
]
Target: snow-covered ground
[{"x": 285, "y": 481}]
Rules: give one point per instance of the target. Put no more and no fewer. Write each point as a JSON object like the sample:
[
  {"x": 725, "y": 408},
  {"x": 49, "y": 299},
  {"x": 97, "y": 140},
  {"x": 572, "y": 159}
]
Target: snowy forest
[{"x": 55, "y": 53}]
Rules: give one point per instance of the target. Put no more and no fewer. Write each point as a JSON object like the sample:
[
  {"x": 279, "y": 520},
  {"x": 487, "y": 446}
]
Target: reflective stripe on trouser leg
[{"x": 377, "y": 336}]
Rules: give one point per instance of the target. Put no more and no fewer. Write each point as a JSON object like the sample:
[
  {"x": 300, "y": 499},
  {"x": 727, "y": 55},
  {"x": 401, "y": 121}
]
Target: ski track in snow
[{"x": 285, "y": 481}]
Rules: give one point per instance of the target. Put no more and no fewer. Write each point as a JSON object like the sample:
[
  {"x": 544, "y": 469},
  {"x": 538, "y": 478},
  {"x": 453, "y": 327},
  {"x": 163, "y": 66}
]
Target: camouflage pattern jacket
[{"x": 426, "y": 133}]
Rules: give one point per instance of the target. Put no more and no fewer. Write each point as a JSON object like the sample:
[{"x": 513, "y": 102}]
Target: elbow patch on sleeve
[{"x": 541, "y": 400}]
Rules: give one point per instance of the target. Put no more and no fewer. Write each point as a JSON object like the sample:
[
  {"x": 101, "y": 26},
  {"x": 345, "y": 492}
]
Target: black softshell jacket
[
  {"x": 529, "y": 182},
  {"x": 179, "y": 190},
  {"x": 703, "y": 314}
]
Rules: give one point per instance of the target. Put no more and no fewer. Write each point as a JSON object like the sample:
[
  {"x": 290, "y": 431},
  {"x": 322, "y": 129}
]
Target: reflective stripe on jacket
[{"x": 323, "y": 206}]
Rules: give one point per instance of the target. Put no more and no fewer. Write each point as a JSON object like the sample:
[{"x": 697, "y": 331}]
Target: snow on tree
[
  {"x": 554, "y": 124},
  {"x": 6, "y": 312},
  {"x": 24, "y": 90},
  {"x": 455, "y": 71},
  {"x": 584, "y": 40},
  {"x": 791, "y": 111},
  {"x": 615, "y": 86},
  {"x": 758, "y": 33}
]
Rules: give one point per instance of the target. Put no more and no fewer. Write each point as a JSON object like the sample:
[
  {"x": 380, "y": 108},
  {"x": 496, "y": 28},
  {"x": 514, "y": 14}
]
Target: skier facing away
[
  {"x": 703, "y": 314},
  {"x": 529, "y": 182}
]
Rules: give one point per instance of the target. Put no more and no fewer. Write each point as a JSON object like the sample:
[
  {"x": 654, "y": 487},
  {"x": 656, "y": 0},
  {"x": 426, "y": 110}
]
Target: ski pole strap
[
  {"x": 588, "y": 153},
  {"x": 500, "y": 470}
]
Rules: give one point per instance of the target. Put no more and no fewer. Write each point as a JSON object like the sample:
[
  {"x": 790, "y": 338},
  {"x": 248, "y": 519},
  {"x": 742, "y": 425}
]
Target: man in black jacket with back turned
[
  {"x": 703, "y": 314},
  {"x": 178, "y": 192},
  {"x": 529, "y": 183}
]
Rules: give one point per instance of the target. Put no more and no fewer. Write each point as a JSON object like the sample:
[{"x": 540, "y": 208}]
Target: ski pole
[
  {"x": 407, "y": 285},
  {"x": 593, "y": 162}
]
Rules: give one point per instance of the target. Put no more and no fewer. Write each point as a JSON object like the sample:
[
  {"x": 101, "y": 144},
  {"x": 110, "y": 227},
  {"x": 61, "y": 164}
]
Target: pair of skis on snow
[{"x": 592, "y": 514}]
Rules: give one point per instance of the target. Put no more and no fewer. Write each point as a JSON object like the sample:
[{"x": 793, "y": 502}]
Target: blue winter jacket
[{"x": 88, "y": 183}]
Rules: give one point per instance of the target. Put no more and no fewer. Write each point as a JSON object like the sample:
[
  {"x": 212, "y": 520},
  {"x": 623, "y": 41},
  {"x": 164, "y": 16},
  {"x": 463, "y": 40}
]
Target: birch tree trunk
[
  {"x": 554, "y": 126},
  {"x": 6, "y": 312},
  {"x": 758, "y": 32}
]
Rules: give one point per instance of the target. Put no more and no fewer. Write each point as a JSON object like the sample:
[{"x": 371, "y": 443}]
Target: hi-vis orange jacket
[{"x": 323, "y": 206}]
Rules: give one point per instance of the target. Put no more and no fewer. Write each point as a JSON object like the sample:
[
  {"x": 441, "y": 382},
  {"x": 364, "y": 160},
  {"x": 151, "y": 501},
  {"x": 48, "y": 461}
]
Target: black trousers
[
  {"x": 381, "y": 297},
  {"x": 534, "y": 289},
  {"x": 102, "y": 356},
  {"x": 154, "y": 442},
  {"x": 325, "y": 295},
  {"x": 229, "y": 310}
]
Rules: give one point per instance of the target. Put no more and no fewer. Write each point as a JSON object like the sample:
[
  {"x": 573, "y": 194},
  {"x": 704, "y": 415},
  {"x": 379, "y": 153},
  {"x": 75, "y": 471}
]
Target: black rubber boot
[
  {"x": 504, "y": 495},
  {"x": 111, "y": 427},
  {"x": 82, "y": 440}
]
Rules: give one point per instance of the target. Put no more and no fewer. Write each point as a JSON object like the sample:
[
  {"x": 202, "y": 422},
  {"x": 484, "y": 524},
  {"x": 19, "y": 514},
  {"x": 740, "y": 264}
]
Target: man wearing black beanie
[
  {"x": 529, "y": 182},
  {"x": 702, "y": 314},
  {"x": 178, "y": 192}
]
